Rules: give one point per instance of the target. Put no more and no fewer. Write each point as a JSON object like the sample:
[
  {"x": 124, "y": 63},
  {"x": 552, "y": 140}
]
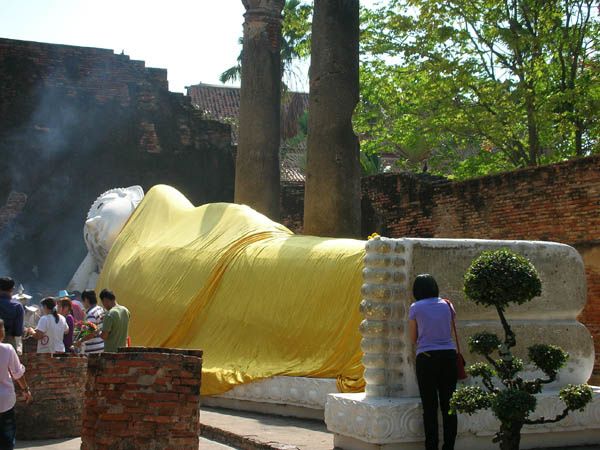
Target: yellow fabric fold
[{"x": 258, "y": 299}]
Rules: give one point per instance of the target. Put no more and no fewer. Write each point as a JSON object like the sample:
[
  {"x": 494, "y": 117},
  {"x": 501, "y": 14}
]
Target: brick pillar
[
  {"x": 57, "y": 383},
  {"x": 146, "y": 398}
]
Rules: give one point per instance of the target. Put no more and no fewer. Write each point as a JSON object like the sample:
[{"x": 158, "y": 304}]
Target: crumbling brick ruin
[{"x": 76, "y": 121}]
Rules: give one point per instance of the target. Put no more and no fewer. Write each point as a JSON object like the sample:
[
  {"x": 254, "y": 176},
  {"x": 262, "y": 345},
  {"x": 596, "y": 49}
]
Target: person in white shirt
[
  {"x": 11, "y": 372},
  {"x": 51, "y": 328}
]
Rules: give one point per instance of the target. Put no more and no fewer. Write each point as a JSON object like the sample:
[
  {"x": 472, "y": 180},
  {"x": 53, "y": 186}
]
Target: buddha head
[{"x": 106, "y": 218}]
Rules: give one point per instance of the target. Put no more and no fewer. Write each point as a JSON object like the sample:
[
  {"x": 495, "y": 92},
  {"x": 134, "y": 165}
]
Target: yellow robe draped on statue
[{"x": 258, "y": 300}]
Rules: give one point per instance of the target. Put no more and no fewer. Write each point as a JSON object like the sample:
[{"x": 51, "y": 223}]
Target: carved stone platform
[
  {"x": 285, "y": 396},
  {"x": 365, "y": 423}
]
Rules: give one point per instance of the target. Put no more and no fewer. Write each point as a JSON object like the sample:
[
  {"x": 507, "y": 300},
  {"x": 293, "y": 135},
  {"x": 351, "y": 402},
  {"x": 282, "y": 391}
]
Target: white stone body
[
  {"x": 388, "y": 414},
  {"x": 105, "y": 220}
]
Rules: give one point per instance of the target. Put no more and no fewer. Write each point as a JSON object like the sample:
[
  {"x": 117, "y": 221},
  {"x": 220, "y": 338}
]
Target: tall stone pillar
[
  {"x": 257, "y": 175},
  {"x": 386, "y": 298},
  {"x": 332, "y": 193}
]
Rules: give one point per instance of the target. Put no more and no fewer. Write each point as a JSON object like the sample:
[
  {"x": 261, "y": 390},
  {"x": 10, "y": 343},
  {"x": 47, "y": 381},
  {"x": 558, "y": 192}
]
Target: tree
[
  {"x": 257, "y": 175},
  {"x": 332, "y": 189},
  {"x": 511, "y": 82},
  {"x": 496, "y": 279},
  {"x": 295, "y": 41}
]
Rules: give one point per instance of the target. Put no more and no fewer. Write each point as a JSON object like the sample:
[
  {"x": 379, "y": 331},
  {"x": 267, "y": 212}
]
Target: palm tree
[{"x": 295, "y": 41}]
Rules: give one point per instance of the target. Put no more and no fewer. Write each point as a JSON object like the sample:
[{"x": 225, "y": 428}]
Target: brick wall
[
  {"x": 143, "y": 398},
  {"x": 559, "y": 202},
  {"x": 57, "y": 384},
  {"x": 77, "y": 121}
]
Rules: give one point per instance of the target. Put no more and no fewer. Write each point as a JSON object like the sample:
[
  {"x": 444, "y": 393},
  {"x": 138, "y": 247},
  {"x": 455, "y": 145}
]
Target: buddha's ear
[{"x": 136, "y": 193}]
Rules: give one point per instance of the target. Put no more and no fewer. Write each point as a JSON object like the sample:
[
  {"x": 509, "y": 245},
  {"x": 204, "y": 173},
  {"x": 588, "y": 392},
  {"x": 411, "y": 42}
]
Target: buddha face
[{"x": 106, "y": 218}]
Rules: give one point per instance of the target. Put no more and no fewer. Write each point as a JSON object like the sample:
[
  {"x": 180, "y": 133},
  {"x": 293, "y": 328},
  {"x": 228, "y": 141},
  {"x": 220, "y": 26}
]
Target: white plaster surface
[{"x": 397, "y": 423}]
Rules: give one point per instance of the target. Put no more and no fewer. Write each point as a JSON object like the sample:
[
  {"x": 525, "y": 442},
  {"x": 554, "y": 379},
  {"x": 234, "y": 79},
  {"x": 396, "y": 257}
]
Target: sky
[{"x": 195, "y": 40}]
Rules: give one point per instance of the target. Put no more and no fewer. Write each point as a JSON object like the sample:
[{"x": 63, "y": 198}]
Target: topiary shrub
[{"x": 496, "y": 279}]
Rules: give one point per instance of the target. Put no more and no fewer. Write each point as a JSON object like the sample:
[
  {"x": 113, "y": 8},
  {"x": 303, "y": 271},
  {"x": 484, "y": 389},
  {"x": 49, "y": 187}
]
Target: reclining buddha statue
[
  {"x": 206, "y": 277},
  {"x": 264, "y": 303}
]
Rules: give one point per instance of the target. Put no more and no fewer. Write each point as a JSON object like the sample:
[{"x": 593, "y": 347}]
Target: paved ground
[
  {"x": 242, "y": 430},
  {"x": 74, "y": 444}
]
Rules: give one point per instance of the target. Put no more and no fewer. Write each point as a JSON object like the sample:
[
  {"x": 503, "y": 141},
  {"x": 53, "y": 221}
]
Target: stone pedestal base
[{"x": 361, "y": 423}]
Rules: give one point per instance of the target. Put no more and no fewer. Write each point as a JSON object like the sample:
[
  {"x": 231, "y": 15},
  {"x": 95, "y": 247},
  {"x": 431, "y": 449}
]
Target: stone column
[
  {"x": 332, "y": 194},
  {"x": 386, "y": 297},
  {"x": 142, "y": 398},
  {"x": 57, "y": 384},
  {"x": 257, "y": 173}
]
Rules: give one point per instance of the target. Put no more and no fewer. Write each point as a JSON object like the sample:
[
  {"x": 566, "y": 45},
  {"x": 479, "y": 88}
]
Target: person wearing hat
[
  {"x": 12, "y": 313},
  {"x": 78, "y": 308}
]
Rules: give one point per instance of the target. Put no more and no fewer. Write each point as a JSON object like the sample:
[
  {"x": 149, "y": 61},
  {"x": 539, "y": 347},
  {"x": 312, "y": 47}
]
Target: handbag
[{"x": 460, "y": 360}]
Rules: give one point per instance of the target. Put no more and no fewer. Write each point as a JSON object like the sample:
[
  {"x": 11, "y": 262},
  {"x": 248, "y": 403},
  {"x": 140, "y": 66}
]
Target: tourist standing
[
  {"x": 115, "y": 327},
  {"x": 12, "y": 313},
  {"x": 78, "y": 308},
  {"x": 65, "y": 309},
  {"x": 430, "y": 328},
  {"x": 94, "y": 314},
  {"x": 51, "y": 328},
  {"x": 10, "y": 369}
]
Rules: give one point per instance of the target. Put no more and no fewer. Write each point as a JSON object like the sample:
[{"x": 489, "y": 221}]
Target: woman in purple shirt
[
  {"x": 430, "y": 328},
  {"x": 65, "y": 307}
]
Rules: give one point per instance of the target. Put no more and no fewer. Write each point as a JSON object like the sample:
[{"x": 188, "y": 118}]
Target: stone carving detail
[
  {"x": 383, "y": 421},
  {"x": 384, "y": 308},
  {"x": 389, "y": 412},
  {"x": 105, "y": 219},
  {"x": 298, "y": 391}
]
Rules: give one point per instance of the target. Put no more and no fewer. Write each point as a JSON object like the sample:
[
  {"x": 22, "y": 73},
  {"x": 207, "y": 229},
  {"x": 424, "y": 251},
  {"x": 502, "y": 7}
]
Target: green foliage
[
  {"x": 484, "y": 343},
  {"x": 470, "y": 399},
  {"x": 369, "y": 163},
  {"x": 510, "y": 405},
  {"x": 481, "y": 370},
  {"x": 549, "y": 358},
  {"x": 497, "y": 278},
  {"x": 576, "y": 397},
  {"x": 295, "y": 40},
  {"x": 475, "y": 87},
  {"x": 508, "y": 369}
]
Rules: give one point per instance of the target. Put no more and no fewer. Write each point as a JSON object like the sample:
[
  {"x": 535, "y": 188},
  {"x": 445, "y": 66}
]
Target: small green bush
[
  {"x": 470, "y": 399},
  {"x": 549, "y": 358},
  {"x": 484, "y": 343},
  {"x": 576, "y": 397},
  {"x": 513, "y": 405},
  {"x": 497, "y": 278}
]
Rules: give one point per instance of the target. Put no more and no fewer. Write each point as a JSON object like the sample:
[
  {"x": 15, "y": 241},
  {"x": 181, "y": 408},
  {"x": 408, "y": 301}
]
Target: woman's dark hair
[
  {"x": 6, "y": 283},
  {"x": 425, "y": 286},
  {"x": 67, "y": 303},
  {"x": 50, "y": 303},
  {"x": 90, "y": 295}
]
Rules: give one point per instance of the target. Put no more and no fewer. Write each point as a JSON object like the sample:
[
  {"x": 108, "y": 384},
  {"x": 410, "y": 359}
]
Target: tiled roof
[
  {"x": 223, "y": 104},
  {"x": 220, "y": 102}
]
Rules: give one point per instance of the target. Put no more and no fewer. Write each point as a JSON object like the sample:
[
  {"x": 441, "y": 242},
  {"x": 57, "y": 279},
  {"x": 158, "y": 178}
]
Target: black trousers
[
  {"x": 8, "y": 429},
  {"x": 436, "y": 375}
]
